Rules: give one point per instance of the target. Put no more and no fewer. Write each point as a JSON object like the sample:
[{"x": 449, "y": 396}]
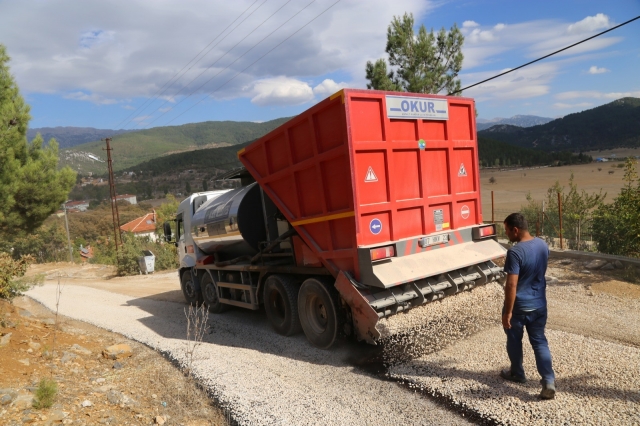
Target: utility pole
[
  {"x": 114, "y": 202},
  {"x": 66, "y": 223}
]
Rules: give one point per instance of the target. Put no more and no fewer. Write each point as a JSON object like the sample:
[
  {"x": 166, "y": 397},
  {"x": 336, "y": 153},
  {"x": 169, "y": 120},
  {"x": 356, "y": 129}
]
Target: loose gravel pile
[
  {"x": 257, "y": 376},
  {"x": 434, "y": 326},
  {"x": 598, "y": 382}
]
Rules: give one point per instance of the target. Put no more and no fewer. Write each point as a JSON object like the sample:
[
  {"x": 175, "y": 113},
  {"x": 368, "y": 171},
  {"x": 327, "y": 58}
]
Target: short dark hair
[{"x": 516, "y": 220}]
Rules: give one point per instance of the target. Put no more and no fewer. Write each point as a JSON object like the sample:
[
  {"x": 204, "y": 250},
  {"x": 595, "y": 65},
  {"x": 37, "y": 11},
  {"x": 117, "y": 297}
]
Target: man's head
[{"x": 516, "y": 227}]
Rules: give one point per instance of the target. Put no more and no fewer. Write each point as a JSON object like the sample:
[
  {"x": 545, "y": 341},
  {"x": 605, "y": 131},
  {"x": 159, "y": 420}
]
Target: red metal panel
[{"x": 345, "y": 175}]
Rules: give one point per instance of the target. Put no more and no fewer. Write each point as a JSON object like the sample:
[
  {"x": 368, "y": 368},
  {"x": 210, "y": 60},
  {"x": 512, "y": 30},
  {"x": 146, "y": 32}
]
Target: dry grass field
[{"x": 511, "y": 186}]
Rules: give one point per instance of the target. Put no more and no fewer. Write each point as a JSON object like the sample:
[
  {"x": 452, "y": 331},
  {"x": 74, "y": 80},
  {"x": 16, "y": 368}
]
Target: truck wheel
[
  {"x": 320, "y": 317},
  {"x": 281, "y": 304},
  {"x": 210, "y": 295},
  {"x": 190, "y": 289}
]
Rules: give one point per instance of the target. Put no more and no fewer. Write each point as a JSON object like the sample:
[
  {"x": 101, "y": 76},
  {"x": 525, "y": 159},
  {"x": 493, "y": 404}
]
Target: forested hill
[
  {"x": 134, "y": 148},
  {"x": 68, "y": 137},
  {"x": 494, "y": 153},
  {"x": 516, "y": 120},
  {"x": 614, "y": 125}
]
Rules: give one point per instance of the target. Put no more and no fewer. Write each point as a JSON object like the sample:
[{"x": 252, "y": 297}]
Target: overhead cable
[{"x": 546, "y": 56}]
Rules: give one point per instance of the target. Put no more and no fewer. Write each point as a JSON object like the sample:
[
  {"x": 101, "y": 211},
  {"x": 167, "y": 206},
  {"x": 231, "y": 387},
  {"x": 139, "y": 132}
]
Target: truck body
[{"x": 363, "y": 206}]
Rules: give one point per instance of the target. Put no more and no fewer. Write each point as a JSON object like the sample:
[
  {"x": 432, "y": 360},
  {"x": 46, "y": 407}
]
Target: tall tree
[
  {"x": 31, "y": 186},
  {"x": 421, "y": 63}
]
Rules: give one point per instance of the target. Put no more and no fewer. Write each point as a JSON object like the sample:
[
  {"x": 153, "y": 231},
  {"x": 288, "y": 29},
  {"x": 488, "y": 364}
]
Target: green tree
[
  {"x": 616, "y": 229},
  {"x": 205, "y": 185},
  {"x": 31, "y": 186},
  {"x": 424, "y": 62},
  {"x": 187, "y": 188}
]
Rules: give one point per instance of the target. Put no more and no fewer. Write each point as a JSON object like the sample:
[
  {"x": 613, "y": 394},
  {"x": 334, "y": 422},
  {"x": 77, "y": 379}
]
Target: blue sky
[{"x": 91, "y": 64}]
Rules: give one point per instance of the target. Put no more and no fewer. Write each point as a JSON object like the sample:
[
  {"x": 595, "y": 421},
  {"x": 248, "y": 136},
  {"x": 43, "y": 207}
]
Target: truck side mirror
[{"x": 168, "y": 234}]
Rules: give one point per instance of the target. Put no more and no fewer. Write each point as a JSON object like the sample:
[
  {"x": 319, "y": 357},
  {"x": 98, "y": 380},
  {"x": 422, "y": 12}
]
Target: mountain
[
  {"x": 68, "y": 137},
  {"x": 494, "y": 153},
  {"x": 613, "y": 125},
  {"x": 130, "y": 149},
  {"x": 516, "y": 120}
]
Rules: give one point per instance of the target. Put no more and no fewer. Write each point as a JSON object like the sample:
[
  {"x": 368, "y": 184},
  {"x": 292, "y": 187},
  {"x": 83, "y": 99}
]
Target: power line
[
  {"x": 225, "y": 68},
  {"x": 251, "y": 64},
  {"x": 546, "y": 56},
  {"x": 171, "y": 80}
]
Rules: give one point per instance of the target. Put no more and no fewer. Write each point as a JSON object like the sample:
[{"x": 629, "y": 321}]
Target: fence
[{"x": 547, "y": 220}]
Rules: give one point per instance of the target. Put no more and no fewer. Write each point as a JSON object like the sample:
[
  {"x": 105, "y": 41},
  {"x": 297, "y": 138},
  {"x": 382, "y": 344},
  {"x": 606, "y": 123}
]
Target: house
[
  {"x": 131, "y": 199},
  {"x": 86, "y": 253},
  {"x": 76, "y": 206},
  {"x": 144, "y": 226}
]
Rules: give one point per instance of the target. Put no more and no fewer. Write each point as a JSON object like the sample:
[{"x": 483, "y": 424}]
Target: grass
[{"x": 45, "y": 394}]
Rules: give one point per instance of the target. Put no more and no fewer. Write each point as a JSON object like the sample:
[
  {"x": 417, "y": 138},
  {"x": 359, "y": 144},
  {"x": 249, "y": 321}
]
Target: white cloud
[
  {"x": 499, "y": 27},
  {"x": 470, "y": 24},
  {"x": 129, "y": 107},
  {"x": 590, "y": 24},
  {"x": 525, "y": 83},
  {"x": 478, "y": 35},
  {"x": 105, "y": 50},
  {"x": 560, "y": 105},
  {"x": 281, "y": 91},
  {"x": 595, "y": 70},
  {"x": 594, "y": 94},
  {"x": 328, "y": 87},
  {"x": 90, "y": 97}
]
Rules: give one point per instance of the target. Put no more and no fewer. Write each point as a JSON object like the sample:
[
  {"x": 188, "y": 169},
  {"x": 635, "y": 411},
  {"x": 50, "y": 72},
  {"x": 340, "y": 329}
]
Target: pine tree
[
  {"x": 424, "y": 62},
  {"x": 31, "y": 186}
]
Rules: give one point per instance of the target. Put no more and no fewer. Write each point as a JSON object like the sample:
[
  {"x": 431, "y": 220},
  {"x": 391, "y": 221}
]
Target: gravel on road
[
  {"x": 597, "y": 382},
  {"x": 257, "y": 376}
]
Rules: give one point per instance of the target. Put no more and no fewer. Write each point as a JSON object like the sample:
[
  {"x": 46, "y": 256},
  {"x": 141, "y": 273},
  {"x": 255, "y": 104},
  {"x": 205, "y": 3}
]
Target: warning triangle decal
[
  {"x": 371, "y": 176},
  {"x": 462, "y": 171}
]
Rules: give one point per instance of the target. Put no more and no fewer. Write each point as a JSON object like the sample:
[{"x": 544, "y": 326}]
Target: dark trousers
[{"x": 534, "y": 322}]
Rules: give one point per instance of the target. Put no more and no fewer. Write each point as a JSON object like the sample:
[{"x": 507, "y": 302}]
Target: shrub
[
  {"x": 12, "y": 281},
  {"x": 45, "y": 393}
]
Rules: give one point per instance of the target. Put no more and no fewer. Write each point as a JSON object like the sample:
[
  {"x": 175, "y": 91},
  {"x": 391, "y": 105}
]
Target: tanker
[{"x": 363, "y": 206}]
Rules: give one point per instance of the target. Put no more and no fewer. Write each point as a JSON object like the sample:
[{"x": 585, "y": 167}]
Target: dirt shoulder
[{"x": 140, "y": 389}]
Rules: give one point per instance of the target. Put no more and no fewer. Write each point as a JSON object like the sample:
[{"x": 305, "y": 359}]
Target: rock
[
  {"x": 23, "y": 401},
  {"x": 67, "y": 356},
  {"x": 585, "y": 272},
  {"x": 86, "y": 403},
  {"x": 596, "y": 264},
  {"x": 7, "y": 396},
  {"x": 117, "y": 351},
  {"x": 618, "y": 264},
  {"x": 4, "y": 340},
  {"x": 9, "y": 324},
  {"x": 49, "y": 321},
  {"x": 29, "y": 351},
  {"x": 160, "y": 420},
  {"x": 115, "y": 397},
  {"x": 608, "y": 267},
  {"x": 154, "y": 396},
  {"x": 35, "y": 346},
  {"x": 25, "y": 313},
  {"x": 566, "y": 262},
  {"x": 80, "y": 350},
  {"x": 118, "y": 365},
  {"x": 550, "y": 279},
  {"x": 57, "y": 415},
  {"x": 24, "y": 361},
  {"x": 100, "y": 380}
]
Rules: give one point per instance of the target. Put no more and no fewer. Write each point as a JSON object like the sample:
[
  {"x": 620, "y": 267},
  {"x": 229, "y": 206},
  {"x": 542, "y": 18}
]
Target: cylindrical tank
[{"x": 231, "y": 224}]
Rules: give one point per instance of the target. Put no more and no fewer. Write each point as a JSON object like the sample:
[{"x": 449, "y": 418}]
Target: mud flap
[{"x": 364, "y": 316}]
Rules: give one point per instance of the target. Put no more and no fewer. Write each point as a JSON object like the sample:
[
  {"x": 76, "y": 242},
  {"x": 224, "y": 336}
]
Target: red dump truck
[{"x": 363, "y": 206}]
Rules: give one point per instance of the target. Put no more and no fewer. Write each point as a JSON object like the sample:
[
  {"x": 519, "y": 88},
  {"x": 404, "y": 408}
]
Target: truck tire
[
  {"x": 210, "y": 295},
  {"x": 190, "y": 288},
  {"x": 281, "y": 304},
  {"x": 320, "y": 314}
]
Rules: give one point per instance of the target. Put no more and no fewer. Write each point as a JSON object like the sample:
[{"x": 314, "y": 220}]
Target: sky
[{"x": 135, "y": 64}]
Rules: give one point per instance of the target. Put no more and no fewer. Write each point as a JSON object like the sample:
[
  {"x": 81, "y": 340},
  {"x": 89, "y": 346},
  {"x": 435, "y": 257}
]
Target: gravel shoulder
[{"x": 257, "y": 376}]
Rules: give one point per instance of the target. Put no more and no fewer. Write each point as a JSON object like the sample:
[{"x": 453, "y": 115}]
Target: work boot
[
  {"x": 548, "y": 390},
  {"x": 506, "y": 374}
]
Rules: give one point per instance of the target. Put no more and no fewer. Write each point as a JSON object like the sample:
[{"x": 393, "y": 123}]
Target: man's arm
[{"x": 509, "y": 299}]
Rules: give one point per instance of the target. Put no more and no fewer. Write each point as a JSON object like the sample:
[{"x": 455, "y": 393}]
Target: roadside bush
[
  {"x": 45, "y": 394},
  {"x": 12, "y": 280},
  {"x": 131, "y": 250}
]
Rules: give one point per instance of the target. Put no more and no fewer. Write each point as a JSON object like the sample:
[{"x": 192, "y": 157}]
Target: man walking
[{"x": 525, "y": 303}]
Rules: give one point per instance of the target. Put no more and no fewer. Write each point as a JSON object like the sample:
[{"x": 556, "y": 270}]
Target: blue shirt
[{"x": 528, "y": 260}]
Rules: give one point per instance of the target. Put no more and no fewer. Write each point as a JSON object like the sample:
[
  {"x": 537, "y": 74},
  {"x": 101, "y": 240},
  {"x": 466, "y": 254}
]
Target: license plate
[{"x": 434, "y": 239}]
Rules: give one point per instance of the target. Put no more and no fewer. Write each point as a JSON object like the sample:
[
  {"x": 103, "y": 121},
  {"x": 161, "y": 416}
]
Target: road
[{"x": 259, "y": 377}]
